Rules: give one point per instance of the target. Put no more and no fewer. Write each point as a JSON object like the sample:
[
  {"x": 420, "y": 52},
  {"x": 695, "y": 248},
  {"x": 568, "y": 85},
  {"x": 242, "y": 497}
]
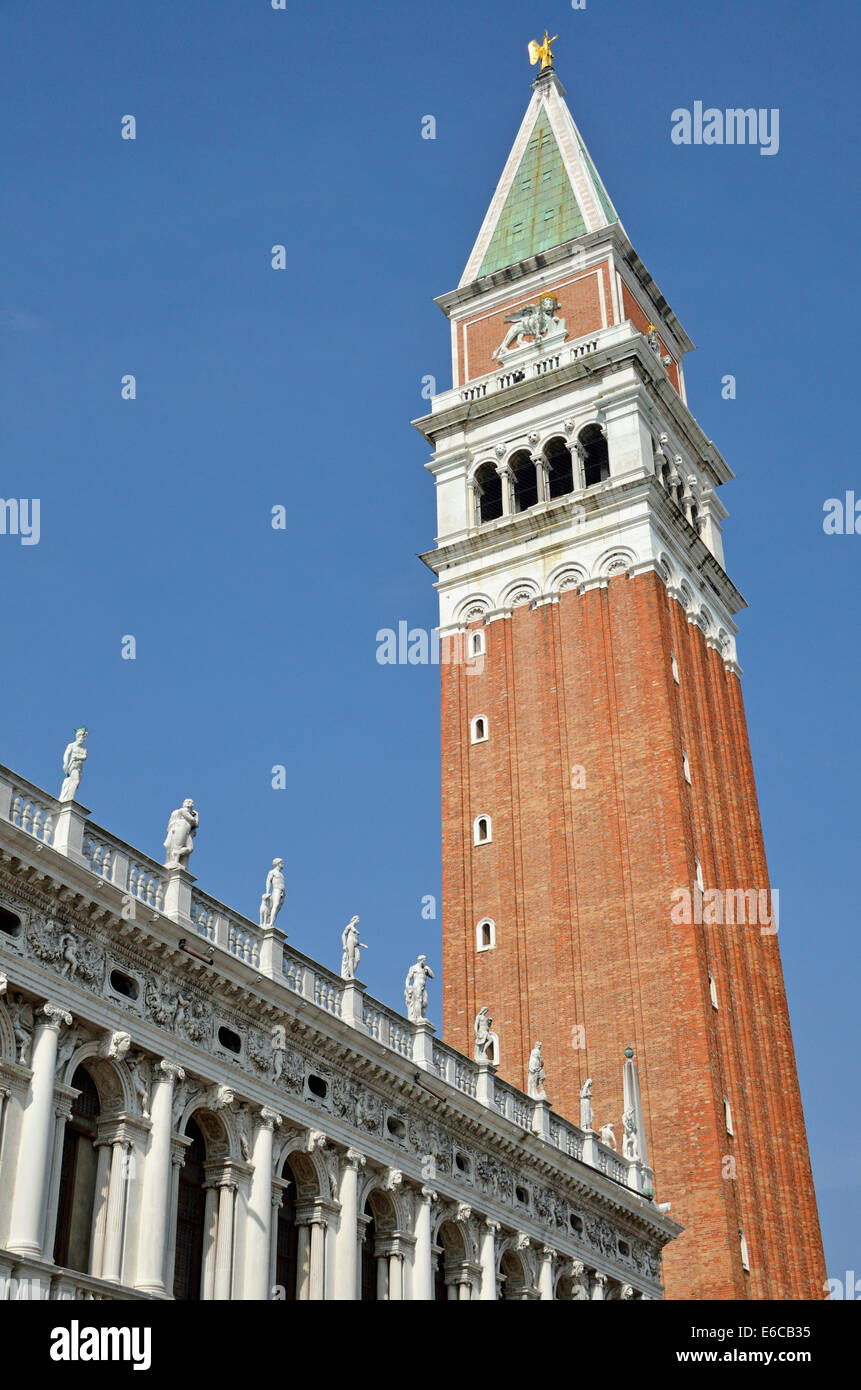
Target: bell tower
[{"x": 604, "y": 873}]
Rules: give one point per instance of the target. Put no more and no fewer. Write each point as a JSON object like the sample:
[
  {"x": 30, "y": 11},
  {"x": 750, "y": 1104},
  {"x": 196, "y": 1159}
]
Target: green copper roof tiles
[{"x": 541, "y": 210}]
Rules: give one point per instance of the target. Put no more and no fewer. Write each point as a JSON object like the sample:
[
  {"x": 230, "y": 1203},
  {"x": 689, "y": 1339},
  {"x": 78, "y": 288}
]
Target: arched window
[
  {"x": 698, "y": 872},
  {"x": 190, "y": 1209},
  {"x": 489, "y": 487},
  {"x": 674, "y": 665},
  {"x": 485, "y": 935},
  {"x": 482, "y": 831},
  {"x": 745, "y": 1257},
  {"x": 686, "y": 767},
  {"x": 560, "y": 468},
  {"x": 596, "y": 465},
  {"x": 524, "y": 478},
  {"x": 476, "y": 644},
  {"x": 287, "y": 1237},
  {"x": 478, "y": 729},
  {"x": 78, "y": 1177}
]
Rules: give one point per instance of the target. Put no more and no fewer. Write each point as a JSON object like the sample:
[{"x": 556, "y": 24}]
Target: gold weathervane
[{"x": 544, "y": 51}]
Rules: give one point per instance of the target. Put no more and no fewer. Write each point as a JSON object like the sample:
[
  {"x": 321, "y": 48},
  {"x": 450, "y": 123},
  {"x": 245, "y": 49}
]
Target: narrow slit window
[{"x": 479, "y": 729}]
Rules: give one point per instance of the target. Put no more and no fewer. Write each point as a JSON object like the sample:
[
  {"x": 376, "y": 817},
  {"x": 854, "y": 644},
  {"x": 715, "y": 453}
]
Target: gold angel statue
[{"x": 544, "y": 51}]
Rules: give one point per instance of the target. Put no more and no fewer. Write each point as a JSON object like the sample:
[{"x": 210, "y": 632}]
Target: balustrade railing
[
  {"x": 504, "y": 378},
  {"x": 32, "y": 814}
]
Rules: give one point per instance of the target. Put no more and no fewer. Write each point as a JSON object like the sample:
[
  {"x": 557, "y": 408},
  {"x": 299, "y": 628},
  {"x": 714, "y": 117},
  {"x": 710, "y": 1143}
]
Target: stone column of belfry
[
  {"x": 154, "y": 1214},
  {"x": 346, "y": 1240},
  {"x": 31, "y": 1178},
  {"x": 259, "y": 1222}
]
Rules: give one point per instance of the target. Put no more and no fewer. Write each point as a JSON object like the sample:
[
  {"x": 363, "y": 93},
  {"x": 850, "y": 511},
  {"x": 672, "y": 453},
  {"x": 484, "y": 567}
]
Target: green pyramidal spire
[
  {"x": 549, "y": 192},
  {"x": 541, "y": 209}
]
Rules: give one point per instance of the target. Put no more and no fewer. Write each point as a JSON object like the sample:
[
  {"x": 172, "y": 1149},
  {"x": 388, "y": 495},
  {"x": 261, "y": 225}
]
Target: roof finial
[{"x": 544, "y": 51}]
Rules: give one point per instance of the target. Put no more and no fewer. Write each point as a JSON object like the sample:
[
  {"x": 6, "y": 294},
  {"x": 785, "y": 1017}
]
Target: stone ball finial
[{"x": 629, "y": 1052}]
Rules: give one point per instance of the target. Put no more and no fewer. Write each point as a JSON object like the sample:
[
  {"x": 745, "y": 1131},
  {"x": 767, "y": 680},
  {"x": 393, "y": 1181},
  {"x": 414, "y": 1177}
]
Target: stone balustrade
[{"x": 506, "y": 377}]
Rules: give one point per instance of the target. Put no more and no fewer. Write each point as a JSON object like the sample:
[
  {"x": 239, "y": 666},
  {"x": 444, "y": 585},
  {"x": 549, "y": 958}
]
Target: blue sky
[{"x": 257, "y": 388}]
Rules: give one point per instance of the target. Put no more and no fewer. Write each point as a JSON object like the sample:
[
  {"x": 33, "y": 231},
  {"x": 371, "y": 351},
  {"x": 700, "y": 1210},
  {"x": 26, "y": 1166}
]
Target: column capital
[
  {"x": 549, "y": 1253},
  {"x": 354, "y": 1159},
  {"x": 428, "y": 1195},
  {"x": 493, "y": 1226},
  {"x": 171, "y": 1071},
  {"x": 52, "y": 1015},
  {"x": 269, "y": 1119}
]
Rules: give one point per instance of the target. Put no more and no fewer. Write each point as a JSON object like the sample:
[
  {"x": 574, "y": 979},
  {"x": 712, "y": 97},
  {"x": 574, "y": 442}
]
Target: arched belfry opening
[
  {"x": 560, "y": 468},
  {"x": 596, "y": 459},
  {"x": 524, "y": 481},
  {"x": 489, "y": 492}
]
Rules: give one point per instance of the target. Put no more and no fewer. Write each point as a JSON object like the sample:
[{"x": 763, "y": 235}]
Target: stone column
[
  {"x": 177, "y": 1160},
  {"x": 303, "y": 1260},
  {"x": 464, "y": 1290},
  {"x": 545, "y": 1273},
  {"x": 259, "y": 1227},
  {"x": 210, "y": 1227},
  {"x": 154, "y": 1215},
  {"x": 115, "y": 1213},
  {"x": 473, "y": 503},
  {"x": 396, "y": 1277},
  {"x": 346, "y": 1245},
  {"x": 542, "y": 476},
  {"x": 100, "y": 1210},
  {"x": 598, "y": 1284},
  {"x": 49, "y": 1231},
  {"x": 224, "y": 1242},
  {"x": 4, "y": 1096},
  {"x": 423, "y": 1289},
  {"x": 31, "y": 1179},
  {"x": 507, "y": 489},
  {"x": 276, "y": 1202},
  {"x": 489, "y": 1232},
  {"x": 317, "y": 1274},
  {"x": 382, "y": 1278}
]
